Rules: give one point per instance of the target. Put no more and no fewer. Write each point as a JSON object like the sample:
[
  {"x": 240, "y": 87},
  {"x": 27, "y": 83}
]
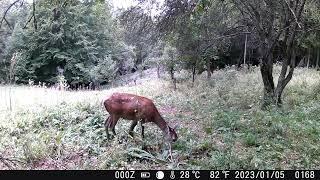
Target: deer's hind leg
[
  {"x": 107, "y": 125},
  {"x": 113, "y": 124}
]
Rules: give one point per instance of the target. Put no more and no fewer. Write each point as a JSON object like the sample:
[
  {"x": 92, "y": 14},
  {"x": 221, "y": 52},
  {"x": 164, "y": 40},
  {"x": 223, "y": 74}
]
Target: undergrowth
[{"x": 221, "y": 126}]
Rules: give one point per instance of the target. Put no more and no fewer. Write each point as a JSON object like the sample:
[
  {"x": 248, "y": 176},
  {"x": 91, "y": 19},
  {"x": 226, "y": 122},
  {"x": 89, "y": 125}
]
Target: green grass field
[{"x": 221, "y": 126}]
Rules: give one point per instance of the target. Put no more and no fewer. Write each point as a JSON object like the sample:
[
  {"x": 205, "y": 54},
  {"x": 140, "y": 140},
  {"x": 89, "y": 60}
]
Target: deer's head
[{"x": 172, "y": 135}]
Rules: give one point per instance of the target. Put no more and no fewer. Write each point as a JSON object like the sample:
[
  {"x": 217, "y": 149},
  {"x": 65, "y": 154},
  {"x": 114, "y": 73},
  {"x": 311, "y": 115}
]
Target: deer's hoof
[
  {"x": 122, "y": 139},
  {"x": 110, "y": 137}
]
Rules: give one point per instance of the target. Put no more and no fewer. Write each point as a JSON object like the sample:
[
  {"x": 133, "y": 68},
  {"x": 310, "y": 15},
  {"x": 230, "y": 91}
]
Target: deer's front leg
[
  {"x": 142, "y": 130},
  {"x": 133, "y": 125}
]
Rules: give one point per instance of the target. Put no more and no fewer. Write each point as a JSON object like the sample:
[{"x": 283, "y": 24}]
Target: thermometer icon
[{"x": 172, "y": 176}]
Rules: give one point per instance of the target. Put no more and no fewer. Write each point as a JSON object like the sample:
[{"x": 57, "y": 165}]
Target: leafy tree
[
  {"x": 155, "y": 59},
  {"x": 215, "y": 21},
  {"x": 171, "y": 63},
  {"x": 139, "y": 32},
  {"x": 310, "y": 39},
  {"x": 201, "y": 31},
  {"x": 11, "y": 13},
  {"x": 75, "y": 39}
]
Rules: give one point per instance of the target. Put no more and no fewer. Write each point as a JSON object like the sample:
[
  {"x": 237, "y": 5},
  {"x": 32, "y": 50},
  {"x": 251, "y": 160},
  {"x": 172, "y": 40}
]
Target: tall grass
[{"x": 221, "y": 126}]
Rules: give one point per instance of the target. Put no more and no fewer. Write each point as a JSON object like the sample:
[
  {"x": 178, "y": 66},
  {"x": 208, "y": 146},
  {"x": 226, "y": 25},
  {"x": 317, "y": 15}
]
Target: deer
[{"x": 135, "y": 108}]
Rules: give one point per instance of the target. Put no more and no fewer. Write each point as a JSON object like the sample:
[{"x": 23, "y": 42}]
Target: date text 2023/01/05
[{"x": 219, "y": 174}]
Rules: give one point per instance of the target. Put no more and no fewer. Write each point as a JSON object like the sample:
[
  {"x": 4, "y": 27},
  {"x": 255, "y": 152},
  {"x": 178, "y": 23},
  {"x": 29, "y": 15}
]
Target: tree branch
[
  {"x": 33, "y": 14},
  {"x": 221, "y": 37},
  {"x": 276, "y": 39},
  {"x": 5, "y": 13},
  {"x": 293, "y": 14},
  {"x": 27, "y": 22},
  {"x": 5, "y": 19}
]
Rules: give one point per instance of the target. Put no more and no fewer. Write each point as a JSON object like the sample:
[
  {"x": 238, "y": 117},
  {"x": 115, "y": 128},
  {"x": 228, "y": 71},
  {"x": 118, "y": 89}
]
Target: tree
[
  {"x": 139, "y": 32},
  {"x": 177, "y": 27},
  {"x": 155, "y": 59},
  {"x": 11, "y": 13},
  {"x": 171, "y": 63},
  {"x": 202, "y": 31},
  {"x": 71, "y": 38},
  {"x": 275, "y": 22},
  {"x": 216, "y": 20},
  {"x": 310, "y": 40}
]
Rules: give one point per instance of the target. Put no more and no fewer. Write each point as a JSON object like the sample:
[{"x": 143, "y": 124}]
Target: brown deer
[{"x": 135, "y": 108}]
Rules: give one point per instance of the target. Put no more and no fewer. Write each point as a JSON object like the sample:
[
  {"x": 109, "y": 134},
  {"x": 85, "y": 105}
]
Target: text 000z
[
  {"x": 124, "y": 175},
  {"x": 259, "y": 174}
]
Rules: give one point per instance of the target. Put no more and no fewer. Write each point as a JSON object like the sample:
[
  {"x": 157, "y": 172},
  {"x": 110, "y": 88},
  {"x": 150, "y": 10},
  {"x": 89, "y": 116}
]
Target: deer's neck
[{"x": 162, "y": 124}]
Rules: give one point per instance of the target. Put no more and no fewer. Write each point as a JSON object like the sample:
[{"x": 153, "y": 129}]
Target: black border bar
[{"x": 163, "y": 174}]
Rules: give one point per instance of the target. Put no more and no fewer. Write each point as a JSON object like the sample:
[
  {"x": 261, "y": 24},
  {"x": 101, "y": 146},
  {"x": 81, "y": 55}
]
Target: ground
[{"x": 221, "y": 125}]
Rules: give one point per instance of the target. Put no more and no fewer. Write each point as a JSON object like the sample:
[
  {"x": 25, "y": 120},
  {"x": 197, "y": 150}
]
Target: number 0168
[{"x": 304, "y": 174}]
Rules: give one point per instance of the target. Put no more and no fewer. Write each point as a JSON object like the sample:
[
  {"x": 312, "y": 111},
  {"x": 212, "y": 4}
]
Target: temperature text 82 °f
[
  {"x": 219, "y": 174},
  {"x": 188, "y": 174}
]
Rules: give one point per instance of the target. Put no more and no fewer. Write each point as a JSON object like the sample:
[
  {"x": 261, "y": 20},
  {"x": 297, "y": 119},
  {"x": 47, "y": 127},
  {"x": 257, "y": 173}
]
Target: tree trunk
[
  {"x": 284, "y": 78},
  {"x": 34, "y": 15},
  {"x": 308, "y": 62},
  {"x": 174, "y": 81},
  {"x": 318, "y": 59},
  {"x": 193, "y": 74},
  {"x": 249, "y": 59},
  {"x": 245, "y": 51},
  {"x": 138, "y": 53},
  {"x": 268, "y": 84},
  {"x": 302, "y": 62},
  {"x": 208, "y": 69},
  {"x": 282, "y": 82},
  {"x": 158, "y": 71},
  {"x": 238, "y": 64}
]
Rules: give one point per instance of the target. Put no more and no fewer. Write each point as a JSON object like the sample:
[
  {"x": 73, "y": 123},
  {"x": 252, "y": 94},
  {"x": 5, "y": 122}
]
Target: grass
[{"x": 221, "y": 126}]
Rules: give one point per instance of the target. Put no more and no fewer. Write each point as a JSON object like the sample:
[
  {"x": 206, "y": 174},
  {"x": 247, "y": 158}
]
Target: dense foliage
[
  {"x": 77, "y": 40},
  {"x": 88, "y": 42}
]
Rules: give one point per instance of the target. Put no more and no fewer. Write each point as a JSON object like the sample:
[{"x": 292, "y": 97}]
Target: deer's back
[{"x": 129, "y": 106}]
